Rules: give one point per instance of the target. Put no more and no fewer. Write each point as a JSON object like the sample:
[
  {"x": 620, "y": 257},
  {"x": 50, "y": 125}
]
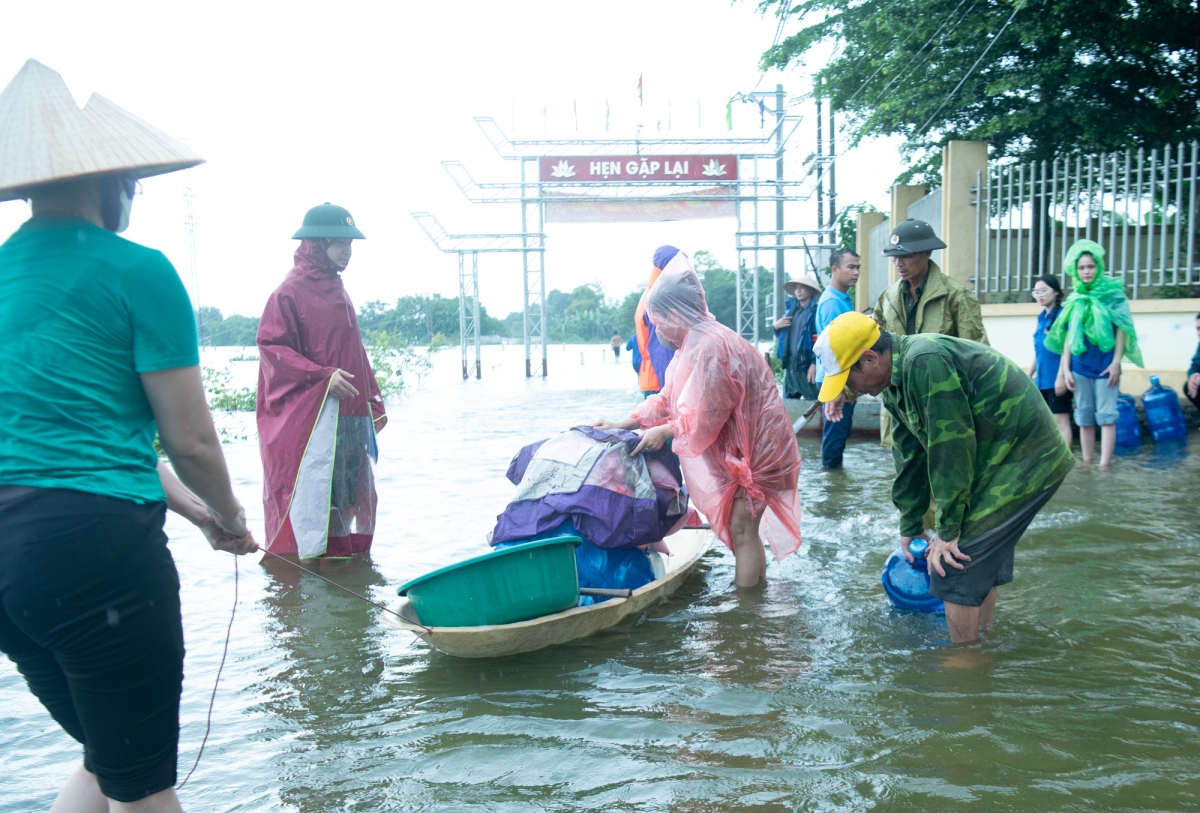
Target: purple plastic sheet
[{"x": 588, "y": 476}]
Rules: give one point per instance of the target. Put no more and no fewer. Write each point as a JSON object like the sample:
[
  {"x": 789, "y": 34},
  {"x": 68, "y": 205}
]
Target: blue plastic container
[
  {"x": 907, "y": 583},
  {"x": 1129, "y": 428},
  {"x": 1163, "y": 412}
]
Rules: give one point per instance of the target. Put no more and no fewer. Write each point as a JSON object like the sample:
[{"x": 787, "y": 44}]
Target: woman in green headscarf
[{"x": 1093, "y": 333}]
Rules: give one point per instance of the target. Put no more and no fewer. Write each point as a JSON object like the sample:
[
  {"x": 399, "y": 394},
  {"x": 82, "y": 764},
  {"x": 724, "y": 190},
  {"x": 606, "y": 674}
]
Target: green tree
[
  {"x": 847, "y": 227},
  {"x": 1036, "y": 78},
  {"x": 585, "y": 298},
  {"x": 515, "y": 324},
  {"x": 213, "y": 330},
  {"x": 626, "y": 312},
  {"x": 235, "y": 331},
  {"x": 395, "y": 363},
  {"x": 418, "y": 319},
  {"x": 720, "y": 288}
]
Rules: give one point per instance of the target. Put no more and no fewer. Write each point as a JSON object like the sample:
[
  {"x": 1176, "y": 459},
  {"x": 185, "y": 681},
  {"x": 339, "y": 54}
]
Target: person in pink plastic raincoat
[
  {"x": 319, "y": 405},
  {"x": 722, "y": 412}
]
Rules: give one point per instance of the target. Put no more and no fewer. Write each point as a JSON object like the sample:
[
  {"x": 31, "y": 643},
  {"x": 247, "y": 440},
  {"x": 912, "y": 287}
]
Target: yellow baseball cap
[{"x": 839, "y": 348}]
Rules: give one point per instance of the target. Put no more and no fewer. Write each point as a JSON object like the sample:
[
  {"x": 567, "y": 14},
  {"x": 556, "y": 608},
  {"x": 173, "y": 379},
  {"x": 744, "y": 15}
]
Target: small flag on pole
[
  {"x": 639, "y": 90},
  {"x": 607, "y": 112},
  {"x": 575, "y": 104},
  {"x": 729, "y": 115}
]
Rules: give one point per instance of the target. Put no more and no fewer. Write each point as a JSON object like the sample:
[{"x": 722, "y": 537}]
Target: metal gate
[{"x": 1140, "y": 206}]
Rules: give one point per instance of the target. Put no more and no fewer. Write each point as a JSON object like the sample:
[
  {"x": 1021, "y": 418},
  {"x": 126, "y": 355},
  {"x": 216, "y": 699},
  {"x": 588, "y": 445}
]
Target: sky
[{"x": 294, "y": 104}]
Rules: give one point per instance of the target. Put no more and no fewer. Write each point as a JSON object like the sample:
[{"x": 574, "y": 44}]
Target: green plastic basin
[{"x": 501, "y": 587}]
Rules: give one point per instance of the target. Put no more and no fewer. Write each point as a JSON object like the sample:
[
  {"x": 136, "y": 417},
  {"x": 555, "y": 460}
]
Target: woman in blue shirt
[{"x": 1047, "y": 292}]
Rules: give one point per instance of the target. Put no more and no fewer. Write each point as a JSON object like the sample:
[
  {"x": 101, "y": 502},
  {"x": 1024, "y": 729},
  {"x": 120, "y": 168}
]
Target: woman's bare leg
[
  {"x": 1087, "y": 442},
  {"x": 1063, "y": 419},
  {"x": 81, "y": 794},
  {"x": 165, "y": 801},
  {"x": 750, "y": 560},
  {"x": 1108, "y": 443}
]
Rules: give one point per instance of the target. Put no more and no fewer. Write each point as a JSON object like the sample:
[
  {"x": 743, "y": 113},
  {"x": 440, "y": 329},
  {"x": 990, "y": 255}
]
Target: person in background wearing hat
[
  {"x": 844, "y": 266},
  {"x": 794, "y": 333},
  {"x": 972, "y": 431},
  {"x": 319, "y": 406},
  {"x": 923, "y": 299},
  {"x": 102, "y": 351},
  {"x": 655, "y": 357}
]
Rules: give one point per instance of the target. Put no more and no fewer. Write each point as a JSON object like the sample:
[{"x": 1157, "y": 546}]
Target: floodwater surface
[{"x": 807, "y": 695}]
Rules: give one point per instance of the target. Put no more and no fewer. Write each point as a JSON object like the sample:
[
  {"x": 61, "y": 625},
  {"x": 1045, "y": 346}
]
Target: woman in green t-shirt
[{"x": 100, "y": 351}]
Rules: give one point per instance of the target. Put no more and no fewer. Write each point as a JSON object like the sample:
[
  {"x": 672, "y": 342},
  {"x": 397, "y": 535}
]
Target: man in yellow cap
[
  {"x": 972, "y": 432},
  {"x": 923, "y": 299}
]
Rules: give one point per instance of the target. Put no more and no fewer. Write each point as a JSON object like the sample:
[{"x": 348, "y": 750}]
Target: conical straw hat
[{"x": 45, "y": 137}]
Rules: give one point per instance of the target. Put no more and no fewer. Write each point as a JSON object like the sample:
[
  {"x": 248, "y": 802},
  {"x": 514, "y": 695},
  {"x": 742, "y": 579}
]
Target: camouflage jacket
[
  {"x": 946, "y": 307},
  {"x": 972, "y": 431}
]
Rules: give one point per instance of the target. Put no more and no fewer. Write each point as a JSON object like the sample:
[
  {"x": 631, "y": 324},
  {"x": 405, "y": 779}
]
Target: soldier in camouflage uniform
[
  {"x": 973, "y": 432},
  {"x": 923, "y": 299}
]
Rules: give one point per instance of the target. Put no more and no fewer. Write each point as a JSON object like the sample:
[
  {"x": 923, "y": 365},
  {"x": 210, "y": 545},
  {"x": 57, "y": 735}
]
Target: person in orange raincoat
[
  {"x": 721, "y": 410},
  {"x": 655, "y": 357}
]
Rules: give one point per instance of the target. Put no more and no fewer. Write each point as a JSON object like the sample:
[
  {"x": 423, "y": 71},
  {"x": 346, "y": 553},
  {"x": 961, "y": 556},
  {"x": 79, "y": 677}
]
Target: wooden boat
[{"x": 494, "y": 641}]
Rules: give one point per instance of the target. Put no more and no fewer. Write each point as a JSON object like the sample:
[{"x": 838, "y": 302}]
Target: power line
[
  {"x": 945, "y": 101},
  {"x": 906, "y": 76},
  {"x": 950, "y": 95},
  {"x": 774, "y": 41}
]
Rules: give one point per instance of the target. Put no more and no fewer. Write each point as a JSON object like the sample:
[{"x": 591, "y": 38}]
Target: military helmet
[
  {"x": 912, "y": 237},
  {"x": 329, "y": 222}
]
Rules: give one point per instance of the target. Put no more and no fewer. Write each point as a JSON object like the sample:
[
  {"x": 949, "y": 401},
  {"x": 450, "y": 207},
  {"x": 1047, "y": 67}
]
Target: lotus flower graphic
[
  {"x": 713, "y": 169},
  {"x": 562, "y": 170}
]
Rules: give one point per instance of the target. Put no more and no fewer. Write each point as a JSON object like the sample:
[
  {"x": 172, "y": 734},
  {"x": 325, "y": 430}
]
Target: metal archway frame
[
  {"x": 753, "y": 188},
  {"x": 468, "y": 247}
]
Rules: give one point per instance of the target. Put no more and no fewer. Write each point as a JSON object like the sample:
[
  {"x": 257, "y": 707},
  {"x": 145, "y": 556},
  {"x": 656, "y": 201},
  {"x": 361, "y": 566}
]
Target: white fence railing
[{"x": 1140, "y": 206}]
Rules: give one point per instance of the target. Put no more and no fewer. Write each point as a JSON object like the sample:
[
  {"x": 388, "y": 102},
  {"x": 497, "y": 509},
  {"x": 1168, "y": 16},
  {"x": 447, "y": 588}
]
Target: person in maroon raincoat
[{"x": 319, "y": 405}]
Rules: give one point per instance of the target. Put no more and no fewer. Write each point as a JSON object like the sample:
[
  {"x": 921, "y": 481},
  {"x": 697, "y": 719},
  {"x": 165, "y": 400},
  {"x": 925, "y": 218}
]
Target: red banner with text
[{"x": 627, "y": 168}]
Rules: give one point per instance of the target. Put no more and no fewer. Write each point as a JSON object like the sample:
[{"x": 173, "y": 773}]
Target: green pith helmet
[
  {"x": 912, "y": 237},
  {"x": 329, "y": 222}
]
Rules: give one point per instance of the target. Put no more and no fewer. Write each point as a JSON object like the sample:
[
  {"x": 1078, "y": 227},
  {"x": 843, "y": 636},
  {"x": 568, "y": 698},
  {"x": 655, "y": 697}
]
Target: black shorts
[
  {"x": 89, "y": 613},
  {"x": 991, "y": 555},
  {"x": 1059, "y": 404}
]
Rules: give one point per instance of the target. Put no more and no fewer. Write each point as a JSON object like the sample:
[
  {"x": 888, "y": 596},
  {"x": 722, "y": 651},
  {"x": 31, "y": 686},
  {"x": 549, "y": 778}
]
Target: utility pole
[
  {"x": 820, "y": 167},
  {"x": 832, "y": 173},
  {"x": 779, "y": 252}
]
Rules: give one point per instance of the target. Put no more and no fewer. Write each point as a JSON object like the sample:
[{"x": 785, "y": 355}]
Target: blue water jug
[
  {"x": 1129, "y": 428},
  {"x": 1163, "y": 412},
  {"x": 907, "y": 583}
]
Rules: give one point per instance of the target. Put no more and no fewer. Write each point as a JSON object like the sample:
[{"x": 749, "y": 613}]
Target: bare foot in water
[{"x": 966, "y": 657}]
